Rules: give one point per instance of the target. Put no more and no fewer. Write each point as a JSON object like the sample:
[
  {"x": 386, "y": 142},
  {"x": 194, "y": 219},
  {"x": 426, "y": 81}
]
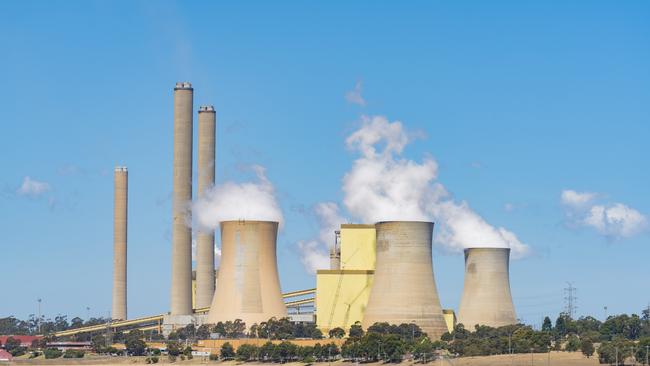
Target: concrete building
[
  {"x": 486, "y": 298},
  {"x": 120, "y": 204},
  {"x": 358, "y": 242},
  {"x": 181, "y": 285},
  {"x": 404, "y": 289},
  {"x": 342, "y": 294},
  {"x": 249, "y": 285},
  {"x": 205, "y": 241}
]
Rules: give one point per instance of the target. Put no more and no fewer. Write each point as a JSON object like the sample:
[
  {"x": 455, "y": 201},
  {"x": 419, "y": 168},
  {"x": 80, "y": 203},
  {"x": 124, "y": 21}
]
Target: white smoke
[
  {"x": 313, "y": 256},
  {"x": 237, "y": 201},
  {"x": 314, "y": 253},
  {"x": 384, "y": 186},
  {"x": 614, "y": 221}
]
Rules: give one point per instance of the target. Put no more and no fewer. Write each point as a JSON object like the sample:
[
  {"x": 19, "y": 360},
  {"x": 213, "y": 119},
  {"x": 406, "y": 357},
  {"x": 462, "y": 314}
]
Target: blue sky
[{"x": 515, "y": 101}]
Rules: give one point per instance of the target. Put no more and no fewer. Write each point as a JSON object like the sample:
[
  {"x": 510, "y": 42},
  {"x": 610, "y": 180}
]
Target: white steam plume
[
  {"x": 314, "y": 253},
  {"x": 383, "y": 186},
  {"x": 237, "y": 201}
]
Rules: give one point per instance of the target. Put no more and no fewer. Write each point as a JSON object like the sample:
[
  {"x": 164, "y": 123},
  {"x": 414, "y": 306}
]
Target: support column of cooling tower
[
  {"x": 486, "y": 296},
  {"x": 249, "y": 285},
  {"x": 181, "y": 288},
  {"x": 404, "y": 288},
  {"x": 120, "y": 201},
  {"x": 205, "y": 279}
]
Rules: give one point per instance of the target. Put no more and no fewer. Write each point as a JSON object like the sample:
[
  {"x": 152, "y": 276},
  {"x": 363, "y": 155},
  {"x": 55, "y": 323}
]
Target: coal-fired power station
[
  {"x": 486, "y": 298},
  {"x": 181, "y": 288},
  {"x": 404, "y": 288},
  {"x": 205, "y": 280},
  {"x": 378, "y": 273},
  {"x": 249, "y": 285},
  {"x": 120, "y": 204}
]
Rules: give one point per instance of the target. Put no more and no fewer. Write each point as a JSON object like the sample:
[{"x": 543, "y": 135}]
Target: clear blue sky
[{"x": 518, "y": 101}]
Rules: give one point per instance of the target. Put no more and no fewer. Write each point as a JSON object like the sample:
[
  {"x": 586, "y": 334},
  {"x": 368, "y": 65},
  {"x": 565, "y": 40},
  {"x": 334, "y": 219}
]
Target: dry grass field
[{"x": 556, "y": 359}]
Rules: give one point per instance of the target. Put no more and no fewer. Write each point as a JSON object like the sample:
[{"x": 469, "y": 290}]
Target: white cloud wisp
[
  {"x": 614, "y": 221},
  {"x": 32, "y": 187}
]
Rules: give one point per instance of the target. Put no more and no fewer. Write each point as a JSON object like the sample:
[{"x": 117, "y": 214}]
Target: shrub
[
  {"x": 214, "y": 357},
  {"x": 247, "y": 352},
  {"x": 152, "y": 359},
  {"x": 73, "y": 353},
  {"x": 587, "y": 348},
  {"x": 52, "y": 353},
  {"x": 227, "y": 351}
]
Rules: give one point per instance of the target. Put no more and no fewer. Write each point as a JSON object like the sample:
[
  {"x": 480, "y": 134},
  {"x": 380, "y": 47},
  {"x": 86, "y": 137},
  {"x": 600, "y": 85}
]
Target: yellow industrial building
[{"x": 342, "y": 293}]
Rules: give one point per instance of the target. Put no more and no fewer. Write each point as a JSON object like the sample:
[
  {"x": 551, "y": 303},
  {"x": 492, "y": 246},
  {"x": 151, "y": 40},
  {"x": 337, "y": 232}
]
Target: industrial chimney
[
  {"x": 120, "y": 200},
  {"x": 181, "y": 289},
  {"x": 335, "y": 252},
  {"x": 486, "y": 296},
  {"x": 205, "y": 279},
  {"x": 404, "y": 289},
  {"x": 249, "y": 286}
]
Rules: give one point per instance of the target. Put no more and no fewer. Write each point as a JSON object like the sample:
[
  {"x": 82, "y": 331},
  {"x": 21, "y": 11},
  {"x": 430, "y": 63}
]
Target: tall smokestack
[
  {"x": 249, "y": 285},
  {"x": 120, "y": 200},
  {"x": 486, "y": 296},
  {"x": 205, "y": 241},
  {"x": 181, "y": 290},
  {"x": 404, "y": 288}
]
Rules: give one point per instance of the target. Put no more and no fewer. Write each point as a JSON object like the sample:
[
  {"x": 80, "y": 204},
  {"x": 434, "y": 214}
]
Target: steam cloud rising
[
  {"x": 315, "y": 252},
  {"x": 237, "y": 201},
  {"x": 383, "y": 186}
]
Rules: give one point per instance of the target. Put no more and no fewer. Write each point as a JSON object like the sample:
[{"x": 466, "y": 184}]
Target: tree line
[{"x": 616, "y": 338}]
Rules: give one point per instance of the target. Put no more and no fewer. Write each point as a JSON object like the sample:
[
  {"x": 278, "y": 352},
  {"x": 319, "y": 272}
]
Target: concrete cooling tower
[
  {"x": 486, "y": 296},
  {"x": 404, "y": 289},
  {"x": 249, "y": 286}
]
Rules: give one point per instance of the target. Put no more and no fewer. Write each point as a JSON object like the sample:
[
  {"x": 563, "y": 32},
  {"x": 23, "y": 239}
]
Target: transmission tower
[{"x": 570, "y": 300}]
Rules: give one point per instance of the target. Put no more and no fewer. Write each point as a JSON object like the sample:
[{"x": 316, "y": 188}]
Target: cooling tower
[
  {"x": 404, "y": 289},
  {"x": 181, "y": 290},
  {"x": 120, "y": 200},
  {"x": 205, "y": 241},
  {"x": 486, "y": 296},
  {"x": 249, "y": 287}
]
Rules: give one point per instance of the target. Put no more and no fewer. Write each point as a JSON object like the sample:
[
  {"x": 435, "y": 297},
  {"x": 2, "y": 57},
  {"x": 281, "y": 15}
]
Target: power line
[{"x": 570, "y": 299}]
